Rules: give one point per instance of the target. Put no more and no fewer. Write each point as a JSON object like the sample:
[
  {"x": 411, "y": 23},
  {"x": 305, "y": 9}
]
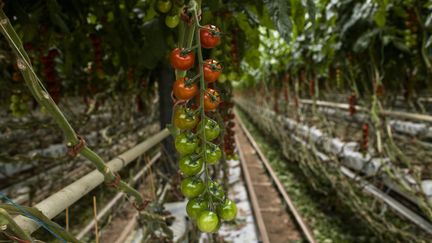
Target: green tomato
[
  {"x": 186, "y": 143},
  {"x": 164, "y": 6},
  {"x": 222, "y": 78},
  {"x": 184, "y": 118},
  {"x": 216, "y": 190},
  {"x": 15, "y": 98},
  {"x": 208, "y": 221},
  {"x": 232, "y": 76},
  {"x": 211, "y": 129},
  {"x": 213, "y": 154},
  {"x": 192, "y": 187},
  {"x": 172, "y": 21},
  {"x": 190, "y": 166},
  {"x": 227, "y": 210},
  {"x": 195, "y": 206}
]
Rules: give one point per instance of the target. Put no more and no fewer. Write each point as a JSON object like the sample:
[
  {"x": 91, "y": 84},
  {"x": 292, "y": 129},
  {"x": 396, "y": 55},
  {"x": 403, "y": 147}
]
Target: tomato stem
[{"x": 207, "y": 178}]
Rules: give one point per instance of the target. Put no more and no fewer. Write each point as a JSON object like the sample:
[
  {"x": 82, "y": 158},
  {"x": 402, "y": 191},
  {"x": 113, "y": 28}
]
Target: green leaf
[{"x": 280, "y": 13}]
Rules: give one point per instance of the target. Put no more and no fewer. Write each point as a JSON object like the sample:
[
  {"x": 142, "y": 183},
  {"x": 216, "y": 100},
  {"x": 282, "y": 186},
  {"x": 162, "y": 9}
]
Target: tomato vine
[{"x": 208, "y": 203}]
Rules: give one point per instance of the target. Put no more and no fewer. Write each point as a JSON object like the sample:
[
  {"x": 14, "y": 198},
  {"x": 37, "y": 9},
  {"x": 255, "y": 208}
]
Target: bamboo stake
[
  {"x": 67, "y": 219},
  {"x": 95, "y": 219}
]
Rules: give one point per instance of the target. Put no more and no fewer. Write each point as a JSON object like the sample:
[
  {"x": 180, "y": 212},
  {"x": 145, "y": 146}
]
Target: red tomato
[
  {"x": 211, "y": 99},
  {"x": 182, "y": 60},
  {"x": 210, "y": 36},
  {"x": 184, "y": 90},
  {"x": 212, "y": 70}
]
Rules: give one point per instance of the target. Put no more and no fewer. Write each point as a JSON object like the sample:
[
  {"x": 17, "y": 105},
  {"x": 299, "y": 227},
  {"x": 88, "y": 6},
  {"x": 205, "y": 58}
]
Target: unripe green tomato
[
  {"x": 14, "y": 107},
  {"x": 213, "y": 154},
  {"x": 232, "y": 76},
  {"x": 216, "y": 190},
  {"x": 172, "y": 21},
  {"x": 208, "y": 221},
  {"x": 192, "y": 187},
  {"x": 23, "y": 106},
  {"x": 211, "y": 129},
  {"x": 227, "y": 210},
  {"x": 164, "y": 6},
  {"x": 222, "y": 78},
  {"x": 15, "y": 98},
  {"x": 195, "y": 206},
  {"x": 186, "y": 143},
  {"x": 190, "y": 166}
]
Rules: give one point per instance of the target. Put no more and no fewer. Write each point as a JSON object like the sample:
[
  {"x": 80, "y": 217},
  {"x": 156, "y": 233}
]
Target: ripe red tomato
[
  {"x": 211, "y": 99},
  {"x": 210, "y": 36},
  {"x": 184, "y": 89},
  {"x": 212, "y": 70},
  {"x": 182, "y": 60}
]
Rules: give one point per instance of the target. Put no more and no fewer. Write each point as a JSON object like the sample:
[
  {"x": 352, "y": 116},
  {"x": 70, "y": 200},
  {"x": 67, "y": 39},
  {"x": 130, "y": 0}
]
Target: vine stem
[
  {"x": 7, "y": 220},
  {"x": 44, "y": 99},
  {"x": 202, "y": 94}
]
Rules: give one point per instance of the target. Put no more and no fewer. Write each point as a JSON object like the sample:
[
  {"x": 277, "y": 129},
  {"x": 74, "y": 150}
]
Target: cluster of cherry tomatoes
[
  {"x": 365, "y": 138},
  {"x": 167, "y": 7},
  {"x": 228, "y": 117},
  {"x": 50, "y": 74},
  {"x": 352, "y": 100},
  {"x": 199, "y": 133},
  {"x": 97, "y": 51}
]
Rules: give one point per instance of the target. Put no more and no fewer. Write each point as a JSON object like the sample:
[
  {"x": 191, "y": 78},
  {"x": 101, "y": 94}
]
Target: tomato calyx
[
  {"x": 213, "y": 30},
  {"x": 213, "y": 65},
  {"x": 213, "y": 97},
  {"x": 190, "y": 81}
]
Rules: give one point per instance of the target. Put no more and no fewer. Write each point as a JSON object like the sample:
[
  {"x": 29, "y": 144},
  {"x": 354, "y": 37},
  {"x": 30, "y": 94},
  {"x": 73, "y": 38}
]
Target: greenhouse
[{"x": 281, "y": 121}]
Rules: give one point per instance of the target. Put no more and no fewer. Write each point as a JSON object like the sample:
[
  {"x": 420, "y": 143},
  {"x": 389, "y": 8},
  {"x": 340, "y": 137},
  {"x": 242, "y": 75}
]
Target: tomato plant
[
  {"x": 182, "y": 59},
  {"x": 197, "y": 151}
]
